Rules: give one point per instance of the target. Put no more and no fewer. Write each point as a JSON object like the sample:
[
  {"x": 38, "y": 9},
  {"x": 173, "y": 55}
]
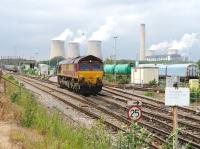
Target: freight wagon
[
  {"x": 119, "y": 69},
  {"x": 184, "y": 71},
  {"x": 11, "y": 68}
]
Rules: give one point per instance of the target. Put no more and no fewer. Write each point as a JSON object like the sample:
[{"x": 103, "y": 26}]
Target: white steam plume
[
  {"x": 105, "y": 31},
  {"x": 66, "y": 34},
  {"x": 81, "y": 37},
  {"x": 186, "y": 41}
]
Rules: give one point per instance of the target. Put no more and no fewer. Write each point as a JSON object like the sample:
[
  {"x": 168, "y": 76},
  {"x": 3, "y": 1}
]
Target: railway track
[
  {"x": 184, "y": 112},
  {"x": 83, "y": 104},
  {"x": 151, "y": 121},
  {"x": 189, "y": 124}
]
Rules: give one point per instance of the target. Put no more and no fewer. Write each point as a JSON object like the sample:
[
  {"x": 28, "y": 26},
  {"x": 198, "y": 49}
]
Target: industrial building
[
  {"x": 165, "y": 57},
  {"x": 171, "y": 55},
  {"x": 143, "y": 75},
  {"x": 16, "y": 61},
  {"x": 152, "y": 55}
]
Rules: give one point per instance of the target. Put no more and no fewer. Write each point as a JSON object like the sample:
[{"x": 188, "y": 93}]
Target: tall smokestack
[{"x": 142, "y": 42}]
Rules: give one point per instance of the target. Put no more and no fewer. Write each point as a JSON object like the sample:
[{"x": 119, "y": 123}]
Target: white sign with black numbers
[
  {"x": 177, "y": 96},
  {"x": 135, "y": 112}
]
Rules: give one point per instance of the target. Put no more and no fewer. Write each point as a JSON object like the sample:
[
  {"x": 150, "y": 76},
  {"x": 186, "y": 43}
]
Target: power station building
[
  {"x": 151, "y": 55},
  {"x": 165, "y": 57},
  {"x": 171, "y": 55}
]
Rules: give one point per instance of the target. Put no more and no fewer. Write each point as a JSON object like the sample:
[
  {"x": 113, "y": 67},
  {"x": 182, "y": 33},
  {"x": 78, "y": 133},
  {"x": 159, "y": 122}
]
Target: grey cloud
[{"x": 29, "y": 25}]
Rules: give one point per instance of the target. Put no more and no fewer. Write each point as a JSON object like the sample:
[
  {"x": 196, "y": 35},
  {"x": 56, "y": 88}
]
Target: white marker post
[{"x": 176, "y": 97}]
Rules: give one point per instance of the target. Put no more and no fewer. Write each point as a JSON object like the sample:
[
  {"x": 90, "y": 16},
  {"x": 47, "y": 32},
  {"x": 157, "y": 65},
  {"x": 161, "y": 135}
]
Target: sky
[{"x": 27, "y": 26}]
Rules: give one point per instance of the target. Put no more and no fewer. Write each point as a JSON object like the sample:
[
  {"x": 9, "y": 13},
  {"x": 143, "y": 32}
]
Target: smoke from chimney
[
  {"x": 81, "y": 38},
  {"x": 66, "y": 34},
  {"x": 105, "y": 31},
  {"x": 186, "y": 41}
]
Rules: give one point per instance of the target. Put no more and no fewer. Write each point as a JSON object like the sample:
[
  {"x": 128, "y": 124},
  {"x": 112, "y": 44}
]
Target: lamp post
[
  {"x": 36, "y": 58},
  {"x": 115, "y": 55}
]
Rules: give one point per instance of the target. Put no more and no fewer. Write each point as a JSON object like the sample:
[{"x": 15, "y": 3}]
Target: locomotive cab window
[
  {"x": 96, "y": 66},
  {"x": 84, "y": 66}
]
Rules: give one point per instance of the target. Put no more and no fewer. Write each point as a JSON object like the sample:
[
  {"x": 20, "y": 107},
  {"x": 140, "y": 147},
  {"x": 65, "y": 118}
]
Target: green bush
[
  {"x": 149, "y": 94},
  {"x": 153, "y": 82},
  {"x": 194, "y": 95},
  {"x": 123, "y": 81},
  {"x": 30, "y": 112},
  {"x": 15, "y": 96},
  {"x": 10, "y": 77},
  {"x": 136, "y": 137}
]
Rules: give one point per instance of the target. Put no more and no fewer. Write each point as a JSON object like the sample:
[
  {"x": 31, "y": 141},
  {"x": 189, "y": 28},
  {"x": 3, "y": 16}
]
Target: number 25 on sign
[{"x": 134, "y": 113}]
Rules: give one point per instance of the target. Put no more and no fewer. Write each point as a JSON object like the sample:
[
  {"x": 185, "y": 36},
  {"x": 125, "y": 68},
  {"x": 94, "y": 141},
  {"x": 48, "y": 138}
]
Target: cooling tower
[
  {"x": 149, "y": 52},
  {"x": 94, "y": 48},
  {"x": 142, "y": 42},
  {"x": 73, "y": 50},
  {"x": 57, "y": 48}
]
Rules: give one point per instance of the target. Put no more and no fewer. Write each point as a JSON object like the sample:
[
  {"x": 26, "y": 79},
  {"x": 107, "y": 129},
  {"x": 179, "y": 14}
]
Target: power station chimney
[{"x": 142, "y": 42}]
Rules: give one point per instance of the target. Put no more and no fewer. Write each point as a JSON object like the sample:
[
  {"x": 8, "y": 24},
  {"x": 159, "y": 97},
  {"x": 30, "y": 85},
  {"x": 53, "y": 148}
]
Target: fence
[{"x": 6, "y": 85}]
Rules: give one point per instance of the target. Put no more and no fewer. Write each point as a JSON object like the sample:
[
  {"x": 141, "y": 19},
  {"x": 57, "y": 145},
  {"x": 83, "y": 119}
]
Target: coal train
[{"x": 82, "y": 74}]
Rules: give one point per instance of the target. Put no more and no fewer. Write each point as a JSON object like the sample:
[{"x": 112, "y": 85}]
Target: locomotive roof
[{"x": 78, "y": 59}]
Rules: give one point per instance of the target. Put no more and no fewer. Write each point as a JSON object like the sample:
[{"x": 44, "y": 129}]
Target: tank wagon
[
  {"x": 82, "y": 74},
  {"x": 185, "y": 71},
  {"x": 119, "y": 69},
  {"x": 109, "y": 68}
]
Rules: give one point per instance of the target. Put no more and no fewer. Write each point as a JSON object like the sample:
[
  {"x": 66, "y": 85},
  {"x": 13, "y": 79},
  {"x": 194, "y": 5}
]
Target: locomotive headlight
[
  {"x": 81, "y": 79},
  {"x": 99, "y": 79}
]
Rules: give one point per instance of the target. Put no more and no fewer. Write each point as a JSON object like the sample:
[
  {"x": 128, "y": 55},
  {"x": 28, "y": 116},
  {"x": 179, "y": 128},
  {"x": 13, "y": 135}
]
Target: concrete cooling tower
[
  {"x": 94, "y": 48},
  {"x": 57, "y": 48},
  {"x": 73, "y": 50}
]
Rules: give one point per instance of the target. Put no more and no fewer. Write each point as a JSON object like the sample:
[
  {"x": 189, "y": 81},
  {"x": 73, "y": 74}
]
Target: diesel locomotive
[{"x": 82, "y": 74}]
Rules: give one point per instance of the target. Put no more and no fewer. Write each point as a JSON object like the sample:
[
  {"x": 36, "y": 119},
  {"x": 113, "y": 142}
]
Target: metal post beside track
[{"x": 175, "y": 127}]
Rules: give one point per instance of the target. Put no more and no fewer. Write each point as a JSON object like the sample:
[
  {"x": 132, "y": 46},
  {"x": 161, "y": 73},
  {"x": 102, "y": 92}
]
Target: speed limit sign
[{"x": 134, "y": 112}]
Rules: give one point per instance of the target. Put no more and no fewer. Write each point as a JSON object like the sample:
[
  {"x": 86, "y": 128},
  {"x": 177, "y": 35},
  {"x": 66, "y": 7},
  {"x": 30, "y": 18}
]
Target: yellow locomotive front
[
  {"x": 82, "y": 74},
  {"x": 90, "y": 75}
]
